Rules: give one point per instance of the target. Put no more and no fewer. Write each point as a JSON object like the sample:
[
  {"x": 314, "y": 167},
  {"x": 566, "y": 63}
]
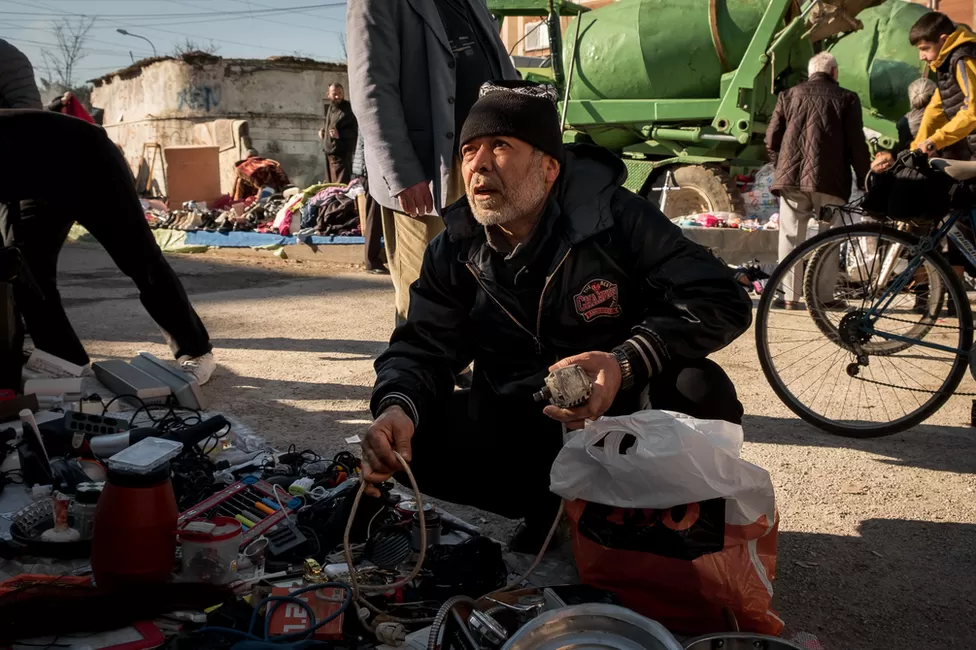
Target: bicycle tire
[
  {"x": 824, "y": 324},
  {"x": 960, "y": 363}
]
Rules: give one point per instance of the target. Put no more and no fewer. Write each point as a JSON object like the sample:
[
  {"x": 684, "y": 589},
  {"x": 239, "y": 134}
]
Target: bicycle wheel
[
  {"x": 849, "y": 379},
  {"x": 856, "y": 277}
]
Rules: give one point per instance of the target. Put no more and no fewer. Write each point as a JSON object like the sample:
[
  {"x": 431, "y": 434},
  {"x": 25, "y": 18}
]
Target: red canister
[{"x": 134, "y": 535}]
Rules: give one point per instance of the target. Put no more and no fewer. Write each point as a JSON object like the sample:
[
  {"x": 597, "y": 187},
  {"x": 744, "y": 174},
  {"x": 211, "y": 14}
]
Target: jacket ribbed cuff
[
  {"x": 647, "y": 355},
  {"x": 401, "y": 400}
]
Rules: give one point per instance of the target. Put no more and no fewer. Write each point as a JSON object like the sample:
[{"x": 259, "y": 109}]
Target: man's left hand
[
  {"x": 604, "y": 371},
  {"x": 333, "y": 134},
  {"x": 882, "y": 162}
]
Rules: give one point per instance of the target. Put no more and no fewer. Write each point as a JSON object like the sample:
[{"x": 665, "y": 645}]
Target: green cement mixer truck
[{"x": 683, "y": 90}]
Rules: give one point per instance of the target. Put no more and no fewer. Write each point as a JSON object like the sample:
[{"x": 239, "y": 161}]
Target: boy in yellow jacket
[{"x": 950, "y": 117}]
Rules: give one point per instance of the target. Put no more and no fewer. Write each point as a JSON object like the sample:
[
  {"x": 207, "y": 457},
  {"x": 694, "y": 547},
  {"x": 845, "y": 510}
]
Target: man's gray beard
[
  {"x": 488, "y": 217},
  {"x": 519, "y": 203}
]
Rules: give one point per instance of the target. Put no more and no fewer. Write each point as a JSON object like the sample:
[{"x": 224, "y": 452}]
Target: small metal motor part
[
  {"x": 432, "y": 522},
  {"x": 566, "y": 387},
  {"x": 530, "y": 606},
  {"x": 486, "y": 630}
]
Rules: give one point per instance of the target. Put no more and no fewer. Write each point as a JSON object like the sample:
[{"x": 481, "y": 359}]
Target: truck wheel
[{"x": 701, "y": 188}]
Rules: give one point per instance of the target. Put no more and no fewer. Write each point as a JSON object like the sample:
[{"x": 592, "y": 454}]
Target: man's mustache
[{"x": 483, "y": 183}]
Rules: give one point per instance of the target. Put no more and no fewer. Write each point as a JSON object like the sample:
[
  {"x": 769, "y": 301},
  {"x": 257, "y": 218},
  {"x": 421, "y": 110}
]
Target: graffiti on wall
[{"x": 198, "y": 98}]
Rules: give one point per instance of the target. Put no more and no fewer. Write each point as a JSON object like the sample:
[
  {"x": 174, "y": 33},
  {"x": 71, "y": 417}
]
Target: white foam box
[{"x": 62, "y": 386}]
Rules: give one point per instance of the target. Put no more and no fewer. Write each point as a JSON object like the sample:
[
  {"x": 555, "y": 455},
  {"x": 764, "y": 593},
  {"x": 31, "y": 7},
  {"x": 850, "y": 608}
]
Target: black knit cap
[{"x": 518, "y": 109}]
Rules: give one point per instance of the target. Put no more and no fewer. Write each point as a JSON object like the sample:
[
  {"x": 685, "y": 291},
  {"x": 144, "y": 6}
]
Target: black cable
[
  {"x": 318, "y": 544},
  {"x": 117, "y": 397}
]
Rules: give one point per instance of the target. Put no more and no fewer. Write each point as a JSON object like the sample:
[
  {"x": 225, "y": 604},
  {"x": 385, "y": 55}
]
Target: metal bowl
[
  {"x": 739, "y": 641},
  {"x": 592, "y": 626}
]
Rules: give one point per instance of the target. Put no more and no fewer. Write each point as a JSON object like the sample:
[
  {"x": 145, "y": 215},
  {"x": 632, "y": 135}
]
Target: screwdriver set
[{"x": 252, "y": 502}]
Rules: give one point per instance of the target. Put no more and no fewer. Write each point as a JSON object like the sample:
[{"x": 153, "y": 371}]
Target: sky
[{"x": 237, "y": 28}]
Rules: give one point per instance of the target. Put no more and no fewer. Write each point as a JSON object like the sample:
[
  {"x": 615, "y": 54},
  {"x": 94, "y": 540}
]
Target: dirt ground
[{"x": 877, "y": 537}]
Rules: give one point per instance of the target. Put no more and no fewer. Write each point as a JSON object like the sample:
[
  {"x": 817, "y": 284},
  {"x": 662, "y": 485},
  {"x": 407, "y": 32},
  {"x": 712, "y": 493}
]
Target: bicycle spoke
[{"x": 880, "y": 291}]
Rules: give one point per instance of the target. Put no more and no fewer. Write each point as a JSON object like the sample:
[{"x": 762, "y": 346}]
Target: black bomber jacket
[{"x": 623, "y": 276}]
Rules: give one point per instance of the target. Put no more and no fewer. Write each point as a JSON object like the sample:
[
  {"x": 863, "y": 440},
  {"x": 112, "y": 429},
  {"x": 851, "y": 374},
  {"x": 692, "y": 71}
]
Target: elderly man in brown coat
[{"x": 814, "y": 139}]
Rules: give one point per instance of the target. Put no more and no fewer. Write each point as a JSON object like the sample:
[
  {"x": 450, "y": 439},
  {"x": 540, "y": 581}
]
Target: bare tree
[
  {"x": 188, "y": 46},
  {"x": 70, "y": 36}
]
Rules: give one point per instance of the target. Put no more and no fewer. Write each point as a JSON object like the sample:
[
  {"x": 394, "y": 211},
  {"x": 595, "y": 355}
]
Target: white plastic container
[{"x": 210, "y": 550}]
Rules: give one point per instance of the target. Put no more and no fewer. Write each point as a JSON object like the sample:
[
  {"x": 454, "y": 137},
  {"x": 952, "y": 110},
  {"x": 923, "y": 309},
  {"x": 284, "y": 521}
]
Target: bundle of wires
[{"x": 193, "y": 470}]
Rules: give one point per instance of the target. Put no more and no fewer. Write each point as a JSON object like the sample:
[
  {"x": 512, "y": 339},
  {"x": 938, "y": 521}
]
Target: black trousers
[
  {"x": 500, "y": 461},
  {"x": 339, "y": 168},
  {"x": 56, "y": 170},
  {"x": 373, "y": 231}
]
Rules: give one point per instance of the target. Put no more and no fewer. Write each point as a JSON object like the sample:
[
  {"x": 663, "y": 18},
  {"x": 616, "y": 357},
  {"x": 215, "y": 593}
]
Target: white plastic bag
[{"x": 669, "y": 459}]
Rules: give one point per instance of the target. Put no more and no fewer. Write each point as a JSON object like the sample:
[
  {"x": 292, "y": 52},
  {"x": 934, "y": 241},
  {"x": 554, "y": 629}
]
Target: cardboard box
[{"x": 289, "y": 618}]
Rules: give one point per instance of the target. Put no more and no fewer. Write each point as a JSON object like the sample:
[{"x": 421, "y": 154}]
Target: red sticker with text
[{"x": 598, "y": 298}]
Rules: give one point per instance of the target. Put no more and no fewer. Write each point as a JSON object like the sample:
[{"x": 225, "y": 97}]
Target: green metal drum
[
  {"x": 878, "y": 62},
  {"x": 660, "y": 49}
]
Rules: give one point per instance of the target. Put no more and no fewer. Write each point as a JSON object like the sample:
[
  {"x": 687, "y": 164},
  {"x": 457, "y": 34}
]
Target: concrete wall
[
  {"x": 205, "y": 101},
  {"x": 961, "y": 11}
]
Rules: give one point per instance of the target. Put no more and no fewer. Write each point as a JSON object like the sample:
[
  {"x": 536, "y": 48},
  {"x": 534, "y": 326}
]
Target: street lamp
[{"x": 125, "y": 33}]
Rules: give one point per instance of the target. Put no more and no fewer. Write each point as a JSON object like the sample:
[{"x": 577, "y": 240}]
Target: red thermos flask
[{"x": 134, "y": 535}]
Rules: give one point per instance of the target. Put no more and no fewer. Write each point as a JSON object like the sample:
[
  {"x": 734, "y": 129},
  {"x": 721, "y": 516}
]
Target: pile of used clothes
[
  {"x": 323, "y": 209},
  {"x": 326, "y": 209}
]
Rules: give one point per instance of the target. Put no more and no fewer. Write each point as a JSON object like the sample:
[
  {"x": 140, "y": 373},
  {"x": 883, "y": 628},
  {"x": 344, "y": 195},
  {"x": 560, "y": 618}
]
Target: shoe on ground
[
  {"x": 379, "y": 270},
  {"x": 200, "y": 367},
  {"x": 789, "y": 305}
]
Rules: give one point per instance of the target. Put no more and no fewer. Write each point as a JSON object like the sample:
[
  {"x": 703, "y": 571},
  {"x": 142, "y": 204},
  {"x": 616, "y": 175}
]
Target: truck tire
[{"x": 702, "y": 188}]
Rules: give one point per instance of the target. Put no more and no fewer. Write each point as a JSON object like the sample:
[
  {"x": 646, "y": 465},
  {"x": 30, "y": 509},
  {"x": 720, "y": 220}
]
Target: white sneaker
[{"x": 200, "y": 367}]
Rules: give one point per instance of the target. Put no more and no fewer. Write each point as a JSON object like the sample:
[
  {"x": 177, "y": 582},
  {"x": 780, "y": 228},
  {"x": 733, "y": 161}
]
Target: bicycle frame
[{"x": 948, "y": 228}]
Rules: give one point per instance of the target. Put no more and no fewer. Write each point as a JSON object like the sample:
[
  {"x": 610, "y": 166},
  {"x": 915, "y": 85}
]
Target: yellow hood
[{"x": 956, "y": 38}]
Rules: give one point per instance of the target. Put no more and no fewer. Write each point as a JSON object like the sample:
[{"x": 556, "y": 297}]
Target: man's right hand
[
  {"x": 392, "y": 430},
  {"x": 927, "y": 147},
  {"x": 416, "y": 201}
]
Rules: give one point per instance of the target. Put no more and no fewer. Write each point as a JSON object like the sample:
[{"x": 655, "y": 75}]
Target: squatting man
[{"x": 547, "y": 261}]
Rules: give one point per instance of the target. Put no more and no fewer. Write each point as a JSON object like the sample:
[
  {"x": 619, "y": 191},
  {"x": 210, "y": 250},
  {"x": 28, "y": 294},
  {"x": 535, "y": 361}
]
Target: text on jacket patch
[{"x": 598, "y": 298}]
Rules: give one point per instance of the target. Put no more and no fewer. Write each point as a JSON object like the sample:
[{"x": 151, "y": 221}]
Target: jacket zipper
[
  {"x": 542, "y": 296},
  {"x": 535, "y": 339}
]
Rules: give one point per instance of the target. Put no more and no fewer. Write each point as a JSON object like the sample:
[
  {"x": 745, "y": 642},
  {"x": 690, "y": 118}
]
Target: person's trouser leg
[
  {"x": 118, "y": 223},
  {"x": 468, "y": 460},
  {"x": 795, "y": 212},
  {"x": 371, "y": 222},
  {"x": 373, "y": 233},
  {"x": 696, "y": 387},
  {"x": 340, "y": 169},
  {"x": 410, "y": 238},
  {"x": 830, "y": 270},
  {"x": 40, "y": 233}
]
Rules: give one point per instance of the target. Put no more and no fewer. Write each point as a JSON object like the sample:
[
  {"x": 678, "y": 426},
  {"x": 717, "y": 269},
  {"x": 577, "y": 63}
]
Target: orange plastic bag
[{"x": 687, "y": 567}]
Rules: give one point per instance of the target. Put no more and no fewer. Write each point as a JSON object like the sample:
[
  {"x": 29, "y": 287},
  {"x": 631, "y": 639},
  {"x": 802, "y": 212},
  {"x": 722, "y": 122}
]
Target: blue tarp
[{"x": 259, "y": 240}]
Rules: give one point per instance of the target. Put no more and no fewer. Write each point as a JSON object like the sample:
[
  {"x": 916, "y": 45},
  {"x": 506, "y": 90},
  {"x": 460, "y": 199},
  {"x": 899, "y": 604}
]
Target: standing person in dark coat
[
  {"x": 339, "y": 136},
  {"x": 815, "y": 137}
]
